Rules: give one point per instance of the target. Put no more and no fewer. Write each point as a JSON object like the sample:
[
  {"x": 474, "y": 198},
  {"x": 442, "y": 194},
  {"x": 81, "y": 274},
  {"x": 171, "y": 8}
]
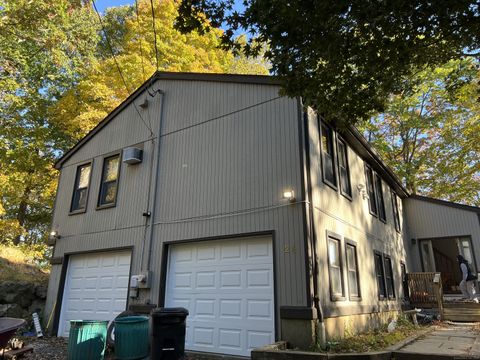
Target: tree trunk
[{"x": 22, "y": 212}]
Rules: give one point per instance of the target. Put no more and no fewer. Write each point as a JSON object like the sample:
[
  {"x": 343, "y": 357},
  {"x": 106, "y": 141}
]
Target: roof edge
[
  {"x": 446, "y": 203},
  {"x": 386, "y": 170},
  {"x": 160, "y": 75}
]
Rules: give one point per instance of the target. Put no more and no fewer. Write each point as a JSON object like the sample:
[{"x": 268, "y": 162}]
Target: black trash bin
[{"x": 167, "y": 333}]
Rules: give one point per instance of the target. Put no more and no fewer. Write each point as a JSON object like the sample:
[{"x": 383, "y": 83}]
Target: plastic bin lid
[
  {"x": 131, "y": 319},
  {"x": 177, "y": 311}
]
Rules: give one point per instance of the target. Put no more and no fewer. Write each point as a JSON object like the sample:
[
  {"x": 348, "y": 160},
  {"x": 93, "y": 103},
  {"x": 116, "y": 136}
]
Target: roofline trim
[
  {"x": 159, "y": 75},
  {"x": 446, "y": 203},
  {"x": 386, "y": 170}
]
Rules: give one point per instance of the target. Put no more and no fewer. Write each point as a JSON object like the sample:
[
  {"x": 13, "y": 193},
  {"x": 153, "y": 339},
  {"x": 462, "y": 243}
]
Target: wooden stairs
[{"x": 461, "y": 311}]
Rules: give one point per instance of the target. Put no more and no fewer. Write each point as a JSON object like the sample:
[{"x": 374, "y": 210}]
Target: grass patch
[
  {"x": 375, "y": 340},
  {"x": 18, "y": 264}
]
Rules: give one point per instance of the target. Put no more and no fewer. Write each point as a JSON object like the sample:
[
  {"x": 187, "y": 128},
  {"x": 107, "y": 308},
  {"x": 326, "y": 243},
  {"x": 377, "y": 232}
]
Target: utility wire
[
  {"x": 154, "y": 33},
  {"x": 221, "y": 116},
  {"x": 118, "y": 66},
  {"x": 140, "y": 41}
]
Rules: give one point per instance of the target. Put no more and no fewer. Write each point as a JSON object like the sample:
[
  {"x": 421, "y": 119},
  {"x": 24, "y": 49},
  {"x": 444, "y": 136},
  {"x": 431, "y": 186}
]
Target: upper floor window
[
  {"x": 396, "y": 213},
  {"x": 109, "y": 183},
  {"x": 335, "y": 269},
  {"x": 343, "y": 168},
  {"x": 328, "y": 158},
  {"x": 80, "y": 191},
  {"x": 372, "y": 202},
  {"x": 379, "y": 196}
]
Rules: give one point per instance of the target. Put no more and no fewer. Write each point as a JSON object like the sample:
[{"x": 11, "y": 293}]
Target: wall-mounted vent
[{"x": 132, "y": 155}]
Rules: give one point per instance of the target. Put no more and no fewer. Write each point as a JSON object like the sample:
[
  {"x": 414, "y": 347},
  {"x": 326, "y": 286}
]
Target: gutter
[{"x": 310, "y": 221}]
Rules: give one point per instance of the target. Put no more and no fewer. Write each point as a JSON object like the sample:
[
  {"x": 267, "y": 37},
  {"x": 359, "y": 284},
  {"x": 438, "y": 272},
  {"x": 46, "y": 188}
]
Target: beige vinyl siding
[
  {"x": 351, "y": 220},
  {"x": 427, "y": 220},
  {"x": 216, "y": 178}
]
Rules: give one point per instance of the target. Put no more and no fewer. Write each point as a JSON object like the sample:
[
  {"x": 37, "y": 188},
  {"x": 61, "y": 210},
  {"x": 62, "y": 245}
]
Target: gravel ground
[
  {"x": 55, "y": 348},
  {"x": 50, "y": 348}
]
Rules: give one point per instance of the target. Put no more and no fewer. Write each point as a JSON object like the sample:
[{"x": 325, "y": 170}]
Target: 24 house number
[{"x": 287, "y": 249}]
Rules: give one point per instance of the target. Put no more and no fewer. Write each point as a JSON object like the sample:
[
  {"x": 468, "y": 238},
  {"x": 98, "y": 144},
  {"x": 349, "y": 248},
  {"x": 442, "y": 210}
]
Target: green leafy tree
[
  {"x": 430, "y": 132},
  {"x": 344, "y": 57},
  {"x": 42, "y": 44},
  {"x": 132, "y": 39},
  {"x": 58, "y": 79}
]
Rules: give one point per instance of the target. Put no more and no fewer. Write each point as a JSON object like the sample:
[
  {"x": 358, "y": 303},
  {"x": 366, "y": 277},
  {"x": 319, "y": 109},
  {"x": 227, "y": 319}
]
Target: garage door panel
[
  {"x": 227, "y": 286},
  {"x": 96, "y": 288}
]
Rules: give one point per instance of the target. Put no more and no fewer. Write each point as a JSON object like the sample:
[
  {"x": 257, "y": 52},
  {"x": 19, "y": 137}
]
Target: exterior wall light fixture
[
  {"x": 289, "y": 195},
  {"x": 53, "y": 237}
]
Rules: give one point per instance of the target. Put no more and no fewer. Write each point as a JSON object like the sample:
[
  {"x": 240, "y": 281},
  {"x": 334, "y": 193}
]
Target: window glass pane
[
  {"x": 328, "y": 168},
  {"x": 326, "y": 140},
  {"x": 334, "y": 262},
  {"x": 80, "y": 192},
  {"x": 379, "y": 194},
  {"x": 380, "y": 275},
  {"x": 352, "y": 271},
  {"x": 109, "y": 192},
  {"x": 336, "y": 277},
  {"x": 351, "y": 258},
  {"x": 333, "y": 250},
  {"x": 371, "y": 191},
  {"x": 84, "y": 176},
  {"x": 389, "y": 277},
  {"x": 353, "y": 283},
  {"x": 343, "y": 168},
  {"x": 111, "y": 169},
  {"x": 82, "y": 198},
  {"x": 396, "y": 214},
  {"x": 342, "y": 156}
]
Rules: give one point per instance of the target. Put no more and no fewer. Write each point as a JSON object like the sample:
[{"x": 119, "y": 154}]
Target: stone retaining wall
[{"x": 21, "y": 299}]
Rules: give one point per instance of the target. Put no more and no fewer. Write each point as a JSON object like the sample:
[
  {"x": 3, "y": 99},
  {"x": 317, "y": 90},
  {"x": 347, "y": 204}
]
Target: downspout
[
  {"x": 155, "y": 179},
  {"x": 320, "y": 335}
]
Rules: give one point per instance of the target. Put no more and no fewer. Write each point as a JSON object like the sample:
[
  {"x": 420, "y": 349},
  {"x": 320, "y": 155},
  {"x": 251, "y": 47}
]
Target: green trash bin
[
  {"x": 131, "y": 337},
  {"x": 87, "y": 339}
]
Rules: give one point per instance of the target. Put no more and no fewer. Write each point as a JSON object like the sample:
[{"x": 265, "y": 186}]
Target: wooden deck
[{"x": 426, "y": 292}]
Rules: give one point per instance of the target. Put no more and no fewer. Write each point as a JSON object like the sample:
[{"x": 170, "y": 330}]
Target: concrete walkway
[{"x": 449, "y": 340}]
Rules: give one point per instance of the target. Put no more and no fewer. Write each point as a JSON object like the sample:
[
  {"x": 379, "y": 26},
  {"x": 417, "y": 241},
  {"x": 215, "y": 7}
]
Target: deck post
[{"x": 437, "y": 283}]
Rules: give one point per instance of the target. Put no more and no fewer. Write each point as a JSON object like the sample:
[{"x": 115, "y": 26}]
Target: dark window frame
[
  {"x": 336, "y": 297},
  {"x": 102, "y": 175},
  {"x": 331, "y": 133},
  {"x": 391, "y": 283},
  {"x": 370, "y": 189},
  {"x": 396, "y": 211},
  {"x": 379, "y": 198},
  {"x": 75, "y": 184},
  {"x": 344, "y": 192},
  {"x": 384, "y": 295},
  {"x": 353, "y": 244},
  {"x": 404, "y": 278}
]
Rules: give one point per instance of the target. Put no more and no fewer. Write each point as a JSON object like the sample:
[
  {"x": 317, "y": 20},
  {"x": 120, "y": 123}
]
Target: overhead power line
[
  {"x": 118, "y": 66},
  {"x": 154, "y": 33},
  {"x": 140, "y": 41}
]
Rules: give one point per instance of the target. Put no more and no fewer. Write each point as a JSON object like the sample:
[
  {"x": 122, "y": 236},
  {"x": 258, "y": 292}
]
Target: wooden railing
[{"x": 423, "y": 291}]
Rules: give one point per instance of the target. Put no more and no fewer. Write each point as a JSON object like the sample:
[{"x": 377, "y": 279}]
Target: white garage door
[
  {"x": 227, "y": 286},
  {"x": 96, "y": 287}
]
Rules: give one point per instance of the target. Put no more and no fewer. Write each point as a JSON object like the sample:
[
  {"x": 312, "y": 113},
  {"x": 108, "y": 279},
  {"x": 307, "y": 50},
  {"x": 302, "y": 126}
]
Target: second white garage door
[{"x": 227, "y": 286}]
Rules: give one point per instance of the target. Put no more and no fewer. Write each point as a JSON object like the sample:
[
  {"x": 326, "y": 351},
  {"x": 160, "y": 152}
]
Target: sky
[{"x": 103, "y": 4}]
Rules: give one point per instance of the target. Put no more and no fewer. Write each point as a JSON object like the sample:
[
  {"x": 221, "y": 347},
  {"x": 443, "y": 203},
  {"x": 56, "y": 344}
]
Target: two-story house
[{"x": 214, "y": 193}]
